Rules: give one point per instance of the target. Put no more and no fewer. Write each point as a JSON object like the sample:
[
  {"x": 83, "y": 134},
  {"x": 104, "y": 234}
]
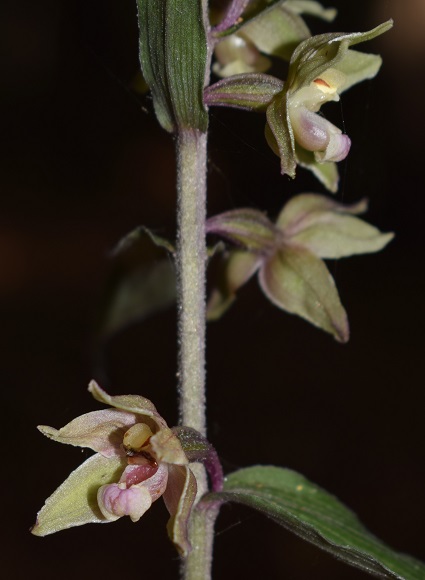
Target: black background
[{"x": 82, "y": 163}]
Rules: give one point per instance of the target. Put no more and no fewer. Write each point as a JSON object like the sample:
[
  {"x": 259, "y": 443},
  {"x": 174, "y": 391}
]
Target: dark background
[{"x": 82, "y": 163}]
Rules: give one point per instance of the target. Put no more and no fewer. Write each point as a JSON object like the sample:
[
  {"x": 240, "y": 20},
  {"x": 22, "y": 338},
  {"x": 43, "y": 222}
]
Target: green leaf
[
  {"x": 297, "y": 281},
  {"x": 316, "y": 516},
  {"x": 249, "y": 91},
  {"x": 173, "y": 56},
  {"x": 74, "y": 503}
]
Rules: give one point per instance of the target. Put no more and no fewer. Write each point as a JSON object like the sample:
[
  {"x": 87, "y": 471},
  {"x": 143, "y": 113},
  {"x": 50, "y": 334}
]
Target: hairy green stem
[{"x": 191, "y": 264}]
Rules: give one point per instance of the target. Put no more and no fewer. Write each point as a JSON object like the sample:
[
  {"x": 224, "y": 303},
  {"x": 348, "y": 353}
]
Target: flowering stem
[{"x": 191, "y": 264}]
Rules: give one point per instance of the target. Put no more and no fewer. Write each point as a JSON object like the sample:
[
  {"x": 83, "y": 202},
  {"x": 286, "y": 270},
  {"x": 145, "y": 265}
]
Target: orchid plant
[{"x": 138, "y": 458}]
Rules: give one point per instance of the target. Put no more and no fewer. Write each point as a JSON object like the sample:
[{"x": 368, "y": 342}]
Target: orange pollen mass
[{"x": 322, "y": 83}]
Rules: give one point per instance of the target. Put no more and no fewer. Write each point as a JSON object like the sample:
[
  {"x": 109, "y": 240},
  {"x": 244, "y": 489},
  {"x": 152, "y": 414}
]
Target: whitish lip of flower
[{"x": 311, "y": 131}]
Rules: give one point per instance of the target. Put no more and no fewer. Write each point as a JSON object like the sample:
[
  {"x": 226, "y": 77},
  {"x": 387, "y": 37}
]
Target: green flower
[{"x": 288, "y": 256}]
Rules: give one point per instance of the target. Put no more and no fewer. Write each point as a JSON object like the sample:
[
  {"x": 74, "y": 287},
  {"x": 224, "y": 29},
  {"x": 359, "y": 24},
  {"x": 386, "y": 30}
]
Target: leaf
[
  {"x": 74, "y": 503},
  {"x": 173, "y": 56},
  {"x": 298, "y": 282},
  {"x": 316, "y": 516}
]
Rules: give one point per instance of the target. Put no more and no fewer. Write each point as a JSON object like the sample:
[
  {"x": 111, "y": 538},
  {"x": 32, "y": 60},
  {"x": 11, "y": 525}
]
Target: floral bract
[{"x": 138, "y": 459}]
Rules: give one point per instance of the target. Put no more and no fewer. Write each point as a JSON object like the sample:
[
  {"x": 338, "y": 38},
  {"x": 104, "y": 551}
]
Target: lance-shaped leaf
[
  {"x": 316, "y": 516},
  {"x": 173, "y": 56}
]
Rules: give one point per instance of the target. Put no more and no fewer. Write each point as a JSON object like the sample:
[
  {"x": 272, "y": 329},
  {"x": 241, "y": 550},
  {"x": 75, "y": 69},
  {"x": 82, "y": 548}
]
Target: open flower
[
  {"x": 320, "y": 69},
  {"x": 138, "y": 459},
  {"x": 288, "y": 256}
]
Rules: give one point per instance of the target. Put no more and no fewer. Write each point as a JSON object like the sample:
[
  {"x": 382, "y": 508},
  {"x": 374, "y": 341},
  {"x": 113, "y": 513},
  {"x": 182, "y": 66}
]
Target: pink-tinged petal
[
  {"x": 74, "y": 502},
  {"x": 131, "y": 403},
  {"x": 157, "y": 484},
  {"x": 179, "y": 498},
  {"x": 101, "y": 431},
  {"x": 134, "y": 474},
  {"x": 120, "y": 499},
  {"x": 337, "y": 149},
  {"x": 115, "y": 501},
  {"x": 310, "y": 130},
  {"x": 165, "y": 447},
  {"x": 298, "y": 281}
]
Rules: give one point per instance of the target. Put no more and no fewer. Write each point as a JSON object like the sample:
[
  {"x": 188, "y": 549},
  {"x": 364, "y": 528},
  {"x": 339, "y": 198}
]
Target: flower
[
  {"x": 320, "y": 69},
  {"x": 249, "y": 31},
  {"x": 138, "y": 459},
  {"x": 288, "y": 256},
  {"x": 311, "y": 131}
]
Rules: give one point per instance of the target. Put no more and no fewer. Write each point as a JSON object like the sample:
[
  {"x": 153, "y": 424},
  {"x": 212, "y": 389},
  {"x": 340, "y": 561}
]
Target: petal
[
  {"x": 235, "y": 55},
  {"x": 297, "y": 281},
  {"x": 337, "y": 149},
  {"x": 357, "y": 67},
  {"x": 326, "y": 173},
  {"x": 101, "y": 431},
  {"x": 131, "y": 403},
  {"x": 338, "y": 236},
  {"x": 166, "y": 447},
  {"x": 315, "y": 133},
  {"x": 74, "y": 502},
  {"x": 115, "y": 501},
  {"x": 302, "y": 210},
  {"x": 247, "y": 227},
  {"x": 179, "y": 498},
  {"x": 134, "y": 474},
  {"x": 234, "y": 271},
  {"x": 329, "y": 229}
]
